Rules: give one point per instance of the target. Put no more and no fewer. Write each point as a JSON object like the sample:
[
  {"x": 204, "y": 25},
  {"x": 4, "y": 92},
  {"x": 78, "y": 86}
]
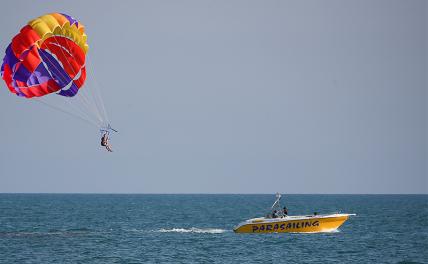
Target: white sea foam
[
  {"x": 193, "y": 230},
  {"x": 318, "y": 232}
]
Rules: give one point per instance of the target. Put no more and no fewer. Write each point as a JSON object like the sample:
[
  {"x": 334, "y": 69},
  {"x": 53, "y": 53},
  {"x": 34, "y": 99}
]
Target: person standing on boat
[
  {"x": 285, "y": 211},
  {"x": 275, "y": 214}
]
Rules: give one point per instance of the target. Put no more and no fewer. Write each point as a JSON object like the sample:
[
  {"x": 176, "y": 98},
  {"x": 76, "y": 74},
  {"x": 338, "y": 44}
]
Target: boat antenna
[{"x": 276, "y": 203}]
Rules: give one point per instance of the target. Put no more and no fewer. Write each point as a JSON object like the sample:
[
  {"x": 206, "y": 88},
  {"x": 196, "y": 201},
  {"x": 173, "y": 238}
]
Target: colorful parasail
[{"x": 46, "y": 56}]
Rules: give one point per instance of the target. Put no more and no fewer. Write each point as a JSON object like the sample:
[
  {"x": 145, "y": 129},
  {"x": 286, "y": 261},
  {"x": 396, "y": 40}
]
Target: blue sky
[{"x": 232, "y": 97}]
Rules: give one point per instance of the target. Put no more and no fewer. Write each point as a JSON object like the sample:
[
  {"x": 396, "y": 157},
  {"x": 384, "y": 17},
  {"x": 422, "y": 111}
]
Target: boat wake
[
  {"x": 193, "y": 230},
  {"x": 318, "y": 232},
  {"x": 333, "y": 231}
]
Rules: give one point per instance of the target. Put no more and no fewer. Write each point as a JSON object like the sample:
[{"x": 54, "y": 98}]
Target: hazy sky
[{"x": 232, "y": 97}]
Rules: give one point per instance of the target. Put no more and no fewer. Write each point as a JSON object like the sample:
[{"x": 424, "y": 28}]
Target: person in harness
[{"x": 105, "y": 143}]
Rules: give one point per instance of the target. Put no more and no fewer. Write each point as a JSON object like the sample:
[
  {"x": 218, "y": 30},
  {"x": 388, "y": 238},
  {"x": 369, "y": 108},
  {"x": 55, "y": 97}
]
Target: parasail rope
[
  {"x": 67, "y": 112},
  {"x": 97, "y": 94}
]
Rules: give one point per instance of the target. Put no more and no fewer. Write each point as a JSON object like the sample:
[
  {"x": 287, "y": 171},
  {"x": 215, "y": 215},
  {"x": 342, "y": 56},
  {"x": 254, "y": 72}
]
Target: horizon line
[{"x": 185, "y": 193}]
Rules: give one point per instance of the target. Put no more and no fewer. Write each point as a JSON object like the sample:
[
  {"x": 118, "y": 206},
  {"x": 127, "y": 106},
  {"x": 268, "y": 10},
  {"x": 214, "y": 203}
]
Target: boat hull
[{"x": 305, "y": 224}]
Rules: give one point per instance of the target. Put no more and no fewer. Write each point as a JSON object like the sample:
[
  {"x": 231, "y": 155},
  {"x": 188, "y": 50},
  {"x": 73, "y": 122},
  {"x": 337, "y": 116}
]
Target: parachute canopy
[{"x": 46, "y": 56}]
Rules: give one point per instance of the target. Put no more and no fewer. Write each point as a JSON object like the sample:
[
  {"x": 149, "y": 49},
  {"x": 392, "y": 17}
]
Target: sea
[{"x": 198, "y": 228}]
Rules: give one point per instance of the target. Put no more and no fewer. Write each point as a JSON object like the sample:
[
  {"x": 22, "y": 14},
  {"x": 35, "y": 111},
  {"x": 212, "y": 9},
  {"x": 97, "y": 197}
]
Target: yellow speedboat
[{"x": 279, "y": 222}]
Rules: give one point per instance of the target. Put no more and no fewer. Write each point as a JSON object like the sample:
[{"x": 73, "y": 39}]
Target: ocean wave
[{"x": 193, "y": 230}]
